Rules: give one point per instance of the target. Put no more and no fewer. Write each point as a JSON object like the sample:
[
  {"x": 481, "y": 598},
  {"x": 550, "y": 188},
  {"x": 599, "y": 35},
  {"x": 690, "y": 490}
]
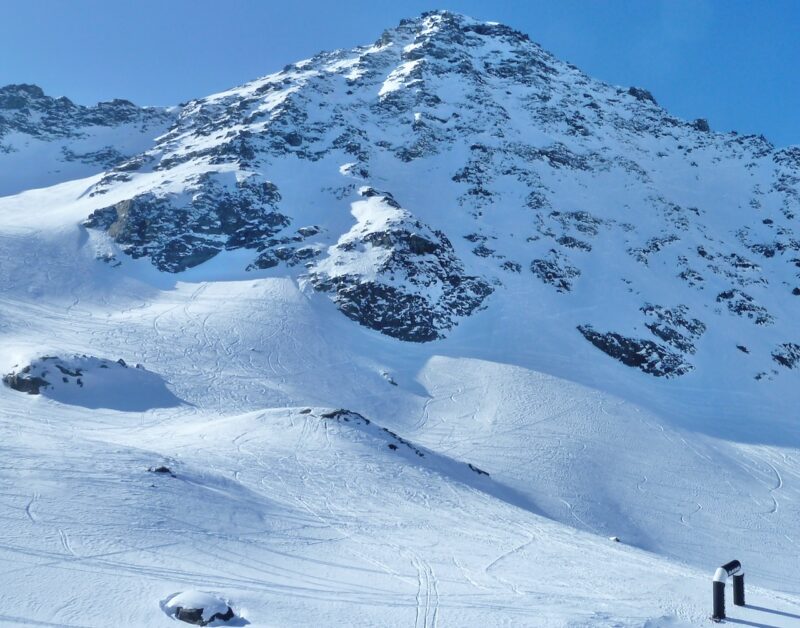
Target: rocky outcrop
[
  {"x": 92, "y": 382},
  {"x": 787, "y": 354},
  {"x": 646, "y": 355},
  {"x": 744, "y": 305},
  {"x": 414, "y": 287},
  {"x": 24, "y": 381},
  {"x": 556, "y": 271},
  {"x": 674, "y": 326},
  {"x": 47, "y": 371},
  {"x": 28, "y": 110},
  {"x": 179, "y": 231}
]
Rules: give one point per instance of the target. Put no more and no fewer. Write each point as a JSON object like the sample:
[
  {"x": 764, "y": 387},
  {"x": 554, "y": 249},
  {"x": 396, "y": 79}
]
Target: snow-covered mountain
[
  {"x": 563, "y": 308},
  {"x": 489, "y": 163}
]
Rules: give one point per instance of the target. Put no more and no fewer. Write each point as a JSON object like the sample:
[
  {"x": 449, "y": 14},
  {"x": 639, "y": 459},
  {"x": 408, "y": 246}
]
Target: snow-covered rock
[
  {"x": 92, "y": 382},
  {"x": 199, "y": 608},
  {"x": 392, "y": 273}
]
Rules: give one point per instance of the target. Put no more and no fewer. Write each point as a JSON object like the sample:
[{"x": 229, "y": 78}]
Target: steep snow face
[
  {"x": 45, "y": 140},
  {"x": 541, "y": 179}
]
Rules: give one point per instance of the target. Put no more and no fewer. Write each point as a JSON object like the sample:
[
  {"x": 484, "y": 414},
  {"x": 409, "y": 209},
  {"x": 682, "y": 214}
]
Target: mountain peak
[
  {"x": 19, "y": 96},
  {"x": 497, "y": 164},
  {"x": 33, "y": 91},
  {"x": 448, "y": 28}
]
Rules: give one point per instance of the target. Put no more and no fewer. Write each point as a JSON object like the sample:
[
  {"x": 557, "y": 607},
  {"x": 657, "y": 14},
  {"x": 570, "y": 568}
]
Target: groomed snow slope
[{"x": 298, "y": 519}]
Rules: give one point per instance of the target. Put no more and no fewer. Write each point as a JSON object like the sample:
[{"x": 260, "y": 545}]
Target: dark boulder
[
  {"x": 25, "y": 382},
  {"x": 642, "y": 95}
]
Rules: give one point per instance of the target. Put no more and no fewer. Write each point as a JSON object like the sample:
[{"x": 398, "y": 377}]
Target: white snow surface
[{"x": 299, "y": 516}]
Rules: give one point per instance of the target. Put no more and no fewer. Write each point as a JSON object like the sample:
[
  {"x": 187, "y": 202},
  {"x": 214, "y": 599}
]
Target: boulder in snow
[{"x": 198, "y": 608}]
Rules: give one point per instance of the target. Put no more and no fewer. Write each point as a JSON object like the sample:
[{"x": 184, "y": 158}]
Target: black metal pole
[
  {"x": 738, "y": 589},
  {"x": 719, "y": 601}
]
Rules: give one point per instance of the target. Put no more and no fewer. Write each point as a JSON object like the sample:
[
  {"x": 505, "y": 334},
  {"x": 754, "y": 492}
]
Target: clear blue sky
[{"x": 735, "y": 62}]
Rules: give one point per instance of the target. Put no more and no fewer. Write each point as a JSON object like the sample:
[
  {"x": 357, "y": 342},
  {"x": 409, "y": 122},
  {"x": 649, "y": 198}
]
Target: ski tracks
[
  {"x": 29, "y": 508},
  {"x": 63, "y": 537},
  {"x": 65, "y": 543},
  {"x": 427, "y": 596},
  {"x": 773, "y": 484}
]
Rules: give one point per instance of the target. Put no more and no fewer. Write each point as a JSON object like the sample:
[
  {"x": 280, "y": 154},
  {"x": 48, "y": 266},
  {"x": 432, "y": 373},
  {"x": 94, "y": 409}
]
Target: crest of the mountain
[{"x": 45, "y": 140}]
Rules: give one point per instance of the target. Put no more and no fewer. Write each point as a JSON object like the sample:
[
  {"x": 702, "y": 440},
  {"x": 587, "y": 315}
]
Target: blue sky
[{"x": 734, "y": 62}]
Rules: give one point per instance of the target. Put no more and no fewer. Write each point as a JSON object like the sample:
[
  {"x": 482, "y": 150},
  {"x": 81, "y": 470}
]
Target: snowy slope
[{"x": 498, "y": 223}]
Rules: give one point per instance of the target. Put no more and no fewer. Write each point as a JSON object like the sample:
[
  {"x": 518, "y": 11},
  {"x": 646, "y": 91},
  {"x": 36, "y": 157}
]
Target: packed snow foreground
[{"x": 400, "y": 335}]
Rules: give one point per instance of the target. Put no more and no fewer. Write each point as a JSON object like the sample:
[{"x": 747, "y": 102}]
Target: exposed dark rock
[
  {"x": 555, "y": 271},
  {"x": 106, "y": 157},
  {"x": 581, "y": 221},
  {"x": 477, "y": 470},
  {"x": 642, "y": 94},
  {"x": 177, "y": 233},
  {"x": 434, "y": 290},
  {"x": 25, "y": 382},
  {"x": 787, "y": 354},
  {"x": 389, "y": 378},
  {"x": 162, "y": 470},
  {"x": 574, "y": 243},
  {"x": 195, "y": 616},
  {"x": 389, "y": 310},
  {"x": 28, "y": 110},
  {"x": 653, "y": 245},
  {"x": 308, "y": 231},
  {"x": 673, "y": 326},
  {"x": 742, "y": 304},
  {"x": 58, "y": 377},
  {"x": 649, "y": 357}
]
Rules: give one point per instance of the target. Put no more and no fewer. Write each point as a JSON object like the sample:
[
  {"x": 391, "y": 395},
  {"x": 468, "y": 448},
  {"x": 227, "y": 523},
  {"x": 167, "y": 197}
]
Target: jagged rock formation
[
  {"x": 28, "y": 110},
  {"x": 646, "y": 355},
  {"x": 415, "y": 285},
  {"x": 64, "y": 138},
  {"x": 183, "y": 230}
]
